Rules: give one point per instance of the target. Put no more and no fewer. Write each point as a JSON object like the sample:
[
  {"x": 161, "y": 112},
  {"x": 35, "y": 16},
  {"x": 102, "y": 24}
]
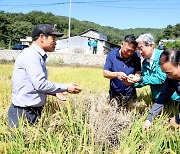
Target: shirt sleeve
[
  {"x": 156, "y": 77},
  {"x": 36, "y": 71},
  {"x": 166, "y": 93},
  {"x": 108, "y": 63}
]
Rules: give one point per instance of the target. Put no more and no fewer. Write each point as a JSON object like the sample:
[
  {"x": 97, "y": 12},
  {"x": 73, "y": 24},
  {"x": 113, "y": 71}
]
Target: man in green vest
[{"x": 152, "y": 74}]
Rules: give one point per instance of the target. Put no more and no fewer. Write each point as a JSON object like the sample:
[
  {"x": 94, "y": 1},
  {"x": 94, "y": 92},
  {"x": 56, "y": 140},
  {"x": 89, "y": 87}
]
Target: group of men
[
  {"x": 30, "y": 86},
  {"x": 123, "y": 68}
]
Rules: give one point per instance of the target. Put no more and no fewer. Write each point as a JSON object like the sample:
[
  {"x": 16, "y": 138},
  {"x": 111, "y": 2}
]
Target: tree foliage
[
  {"x": 172, "y": 32},
  {"x": 20, "y": 29},
  {"x": 14, "y": 26},
  {"x": 175, "y": 45}
]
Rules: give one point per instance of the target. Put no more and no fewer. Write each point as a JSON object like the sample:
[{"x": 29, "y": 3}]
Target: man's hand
[
  {"x": 73, "y": 88},
  {"x": 128, "y": 80},
  {"x": 133, "y": 78},
  {"x": 173, "y": 123},
  {"x": 146, "y": 125},
  {"x": 122, "y": 76}
]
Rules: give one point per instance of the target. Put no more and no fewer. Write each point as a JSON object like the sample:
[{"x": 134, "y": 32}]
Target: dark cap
[{"x": 45, "y": 29}]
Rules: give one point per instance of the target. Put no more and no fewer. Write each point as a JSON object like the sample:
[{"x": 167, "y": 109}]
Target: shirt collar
[
  {"x": 118, "y": 54},
  {"x": 40, "y": 50},
  {"x": 151, "y": 60}
]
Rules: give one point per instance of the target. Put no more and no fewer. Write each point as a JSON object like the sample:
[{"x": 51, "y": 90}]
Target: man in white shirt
[{"x": 29, "y": 81}]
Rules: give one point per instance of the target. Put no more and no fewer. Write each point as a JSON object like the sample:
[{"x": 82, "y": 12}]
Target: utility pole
[{"x": 69, "y": 34}]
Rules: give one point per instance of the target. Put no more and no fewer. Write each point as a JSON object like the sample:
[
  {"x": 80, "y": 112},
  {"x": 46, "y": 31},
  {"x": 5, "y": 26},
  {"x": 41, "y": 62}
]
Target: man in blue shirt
[
  {"x": 120, "y": 63},
  {"x": 29, "y": 81}
]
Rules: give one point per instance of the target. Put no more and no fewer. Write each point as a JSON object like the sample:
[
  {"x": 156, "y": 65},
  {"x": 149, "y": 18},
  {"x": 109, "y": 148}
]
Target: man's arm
[
  {"x": 37, "y": 76},
  {"x": 71, "y": 88},
  {"x": 166, "y": 93},
  {"x": 107, "y": 73},
  {"x": 157, "y": 77},
  {"x": 111, "y": 75}
]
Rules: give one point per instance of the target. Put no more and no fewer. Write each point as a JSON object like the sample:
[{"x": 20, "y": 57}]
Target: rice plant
[{"x": 85, "y": 123}]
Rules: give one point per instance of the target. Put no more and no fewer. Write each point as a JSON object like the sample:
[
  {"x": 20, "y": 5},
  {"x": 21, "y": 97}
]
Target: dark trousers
[
  {"x": 123, "y": 101},
  {"x": 31, "y": 114},
  {"x": 177, "y": 118},
  {"x": 94, "y": 50}
]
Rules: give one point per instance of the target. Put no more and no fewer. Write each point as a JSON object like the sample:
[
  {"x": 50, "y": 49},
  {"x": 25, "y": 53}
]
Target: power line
[
  {"x": 128, "y": 7},
  {"x": 110, "y": 4},
  {"x": 86, "y": 2}
]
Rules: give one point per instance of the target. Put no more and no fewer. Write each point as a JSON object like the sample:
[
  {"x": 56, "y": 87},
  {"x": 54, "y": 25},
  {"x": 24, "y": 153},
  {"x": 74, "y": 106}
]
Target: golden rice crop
[{"x": 85, "y": 123}]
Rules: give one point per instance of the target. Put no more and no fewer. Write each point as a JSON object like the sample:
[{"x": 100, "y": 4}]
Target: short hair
[
  {"x": 170, "y": 55},
  {"x": 131, "y": 39},
  {"x": 147, "y": 39}
]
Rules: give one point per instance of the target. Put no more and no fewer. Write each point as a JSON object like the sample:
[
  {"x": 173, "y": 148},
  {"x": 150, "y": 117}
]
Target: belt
[{"x": 35, "y": 109}]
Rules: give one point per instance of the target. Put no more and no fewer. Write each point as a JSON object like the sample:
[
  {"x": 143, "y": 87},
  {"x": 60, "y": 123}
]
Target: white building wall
[
  {"x": 78, "y": 44},
  {"x": 100, "y": 48}
]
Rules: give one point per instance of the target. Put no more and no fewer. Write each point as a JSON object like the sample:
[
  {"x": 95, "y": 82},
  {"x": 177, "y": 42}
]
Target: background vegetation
[
  {"x": 14, "y": 26},
  {"x": 85, "y": 123}
]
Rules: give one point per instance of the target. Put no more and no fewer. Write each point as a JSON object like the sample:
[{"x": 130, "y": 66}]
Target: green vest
[{"x": 153, "y": 76}]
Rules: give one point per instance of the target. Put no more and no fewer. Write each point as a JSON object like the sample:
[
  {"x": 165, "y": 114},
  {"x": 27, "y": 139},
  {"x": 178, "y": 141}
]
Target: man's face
[
  {"x": 49, "y": 43},
  {"x": 172, "y": 71},
  {"x": 127, "y": 49},
  {"x": 145, "y": 51}
]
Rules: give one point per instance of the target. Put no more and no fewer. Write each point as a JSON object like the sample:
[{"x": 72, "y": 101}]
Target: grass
[{"x": 85, "y": 124}]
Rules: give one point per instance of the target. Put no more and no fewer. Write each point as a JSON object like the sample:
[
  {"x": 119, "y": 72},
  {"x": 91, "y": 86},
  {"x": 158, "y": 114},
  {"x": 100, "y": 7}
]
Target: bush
[{"x": 175, "y": 45}]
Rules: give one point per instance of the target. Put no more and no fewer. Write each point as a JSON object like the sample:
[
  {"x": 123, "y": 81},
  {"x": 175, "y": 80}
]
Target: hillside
[{"x": 14, "y": 26}]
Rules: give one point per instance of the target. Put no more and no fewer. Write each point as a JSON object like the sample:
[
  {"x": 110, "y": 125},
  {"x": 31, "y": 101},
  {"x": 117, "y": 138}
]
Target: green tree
[
  {"x": 168, "y": 32},
  {"x": 175, "y": 45},
  {"x": 14, "y": 26},
  {"x": 18, "y": 30},
  {"x": 3, "y": 29},
  {"x": 176, "y": 31}
]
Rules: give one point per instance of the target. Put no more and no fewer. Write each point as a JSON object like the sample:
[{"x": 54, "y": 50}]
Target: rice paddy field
[{"x": 86, "y": 123}]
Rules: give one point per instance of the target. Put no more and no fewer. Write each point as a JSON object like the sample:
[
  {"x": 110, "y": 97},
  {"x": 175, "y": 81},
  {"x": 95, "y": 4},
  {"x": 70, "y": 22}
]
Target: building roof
[{"x": 90, "y": 29}]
